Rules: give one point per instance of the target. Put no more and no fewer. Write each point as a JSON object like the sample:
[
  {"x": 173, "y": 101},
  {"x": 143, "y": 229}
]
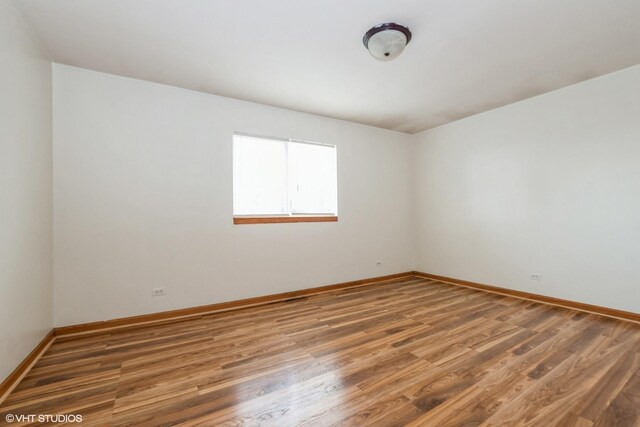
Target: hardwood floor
[{"x": 415, "y": 352}]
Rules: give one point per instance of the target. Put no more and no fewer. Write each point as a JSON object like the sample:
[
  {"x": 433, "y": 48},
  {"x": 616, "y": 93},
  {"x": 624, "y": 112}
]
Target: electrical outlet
[
  {"x": 378, "y": 263},
  {"x": 535, "y": 276},
  {"x": 158, "y": 292}
]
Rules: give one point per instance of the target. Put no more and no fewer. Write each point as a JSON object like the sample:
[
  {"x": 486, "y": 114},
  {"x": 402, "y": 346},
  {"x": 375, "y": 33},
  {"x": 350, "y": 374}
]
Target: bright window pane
[
  {"x": 279, "y": 177},
  {"x": 259, "y": 176},
  {"x": 312, "y": 179}
]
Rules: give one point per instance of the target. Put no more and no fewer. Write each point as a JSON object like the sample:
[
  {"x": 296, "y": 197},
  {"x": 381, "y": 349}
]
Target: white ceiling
[{"x": 466, "y": 56}]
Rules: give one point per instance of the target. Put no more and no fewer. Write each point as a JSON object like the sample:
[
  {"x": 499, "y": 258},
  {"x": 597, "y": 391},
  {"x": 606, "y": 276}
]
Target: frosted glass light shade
[
  {"x": 387, "y": 45},
  {"x": 386, "y": 41}
]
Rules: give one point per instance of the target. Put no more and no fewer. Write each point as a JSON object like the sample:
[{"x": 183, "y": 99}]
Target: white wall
[
  {"x": 142, "y": 184},
  {"x": 550, "y": 185},
  {"x": 143, "y": 199},
  {"x": 25, "y": 191}
]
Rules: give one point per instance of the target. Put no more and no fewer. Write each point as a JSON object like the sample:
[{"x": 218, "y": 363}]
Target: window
[{"x": 282, "y": 180}]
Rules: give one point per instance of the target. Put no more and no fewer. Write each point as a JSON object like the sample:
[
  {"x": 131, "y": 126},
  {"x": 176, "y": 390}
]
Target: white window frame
[{"x": 290, "y": 214}]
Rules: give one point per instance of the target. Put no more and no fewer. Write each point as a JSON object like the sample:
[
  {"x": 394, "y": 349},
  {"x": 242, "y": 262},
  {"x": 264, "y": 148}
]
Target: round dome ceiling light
[{"x": 386, "y": 41}]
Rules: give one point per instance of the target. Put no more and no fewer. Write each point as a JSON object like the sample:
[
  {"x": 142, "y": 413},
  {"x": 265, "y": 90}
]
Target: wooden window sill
[{"x": 282, "y": 219}]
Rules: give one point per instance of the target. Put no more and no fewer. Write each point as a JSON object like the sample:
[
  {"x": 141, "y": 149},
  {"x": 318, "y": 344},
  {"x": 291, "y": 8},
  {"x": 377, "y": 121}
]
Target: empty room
[{"x": 320, "y": 213}]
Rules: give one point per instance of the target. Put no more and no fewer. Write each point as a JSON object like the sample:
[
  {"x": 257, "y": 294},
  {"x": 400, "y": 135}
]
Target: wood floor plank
[{"x": 413, "y": 352}]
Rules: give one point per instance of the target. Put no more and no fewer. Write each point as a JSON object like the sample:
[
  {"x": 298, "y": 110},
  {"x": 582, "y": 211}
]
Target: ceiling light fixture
[{"x": 386, "y": 41}]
